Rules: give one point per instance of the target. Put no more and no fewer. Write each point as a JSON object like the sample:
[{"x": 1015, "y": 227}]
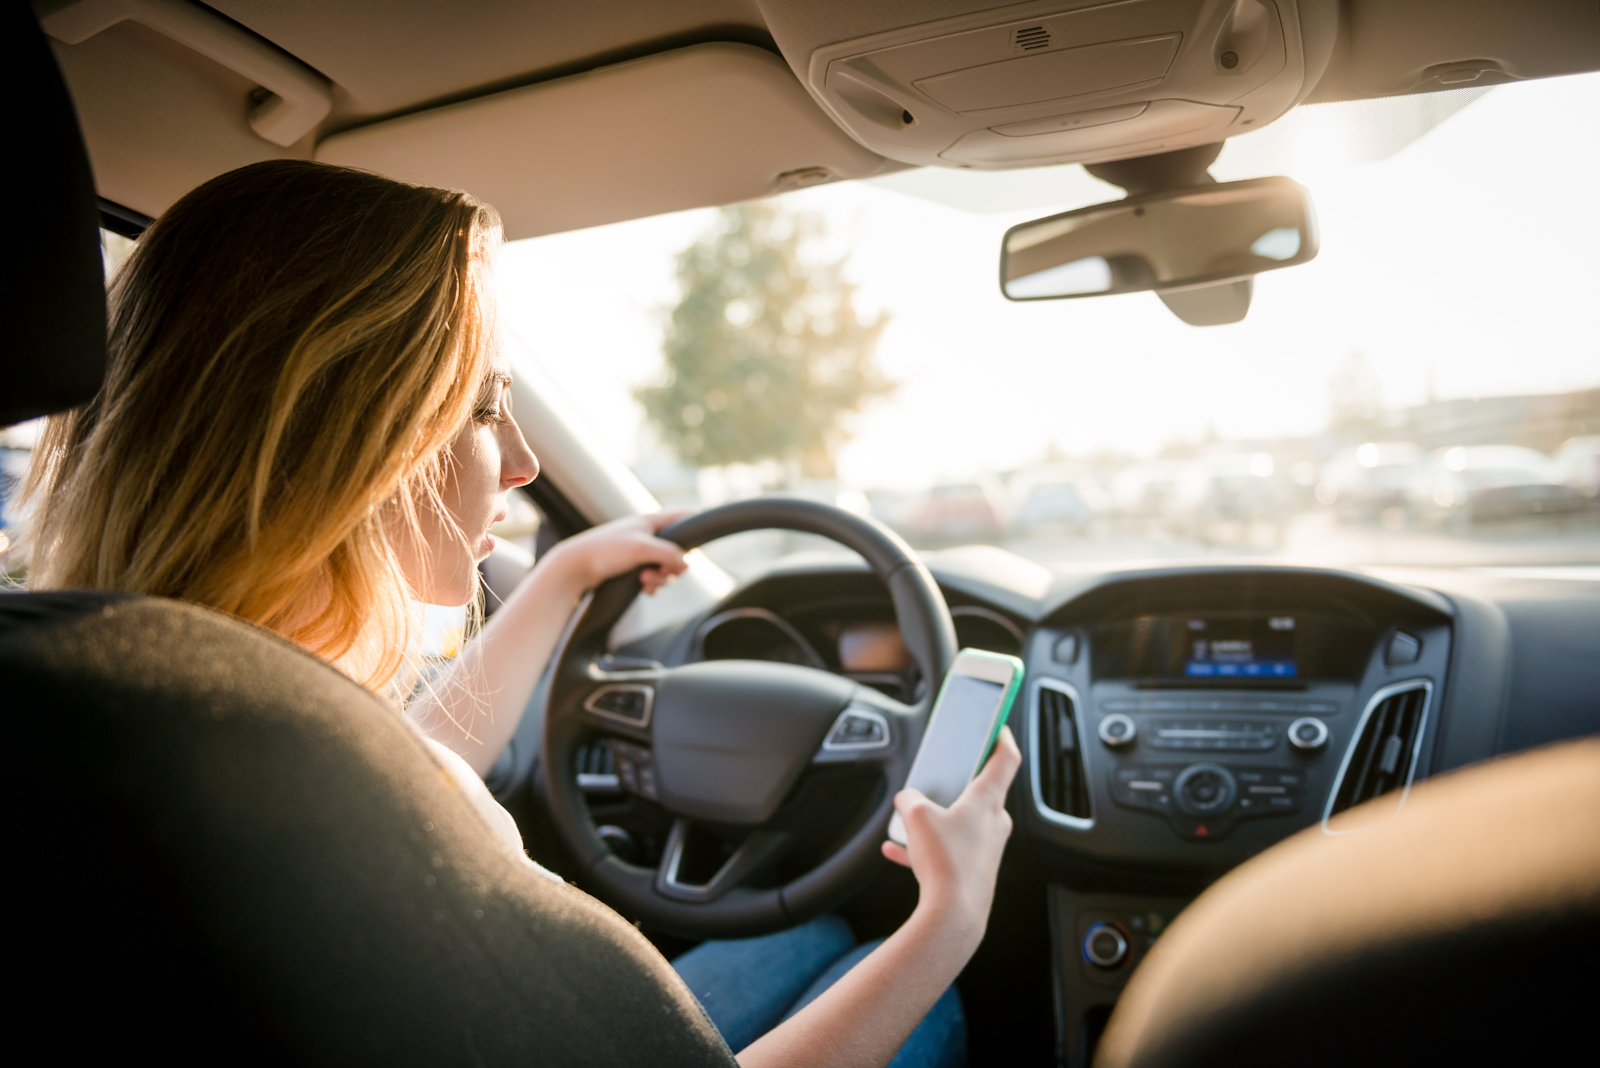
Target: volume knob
[
  {"x": 1104, "y": 946},
  {"x": 1117, "y": 730},
  {"x": 1308, "y": 734}
]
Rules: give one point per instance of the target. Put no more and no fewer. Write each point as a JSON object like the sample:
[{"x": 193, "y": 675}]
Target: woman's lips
[{"x": 486, "y": 546}]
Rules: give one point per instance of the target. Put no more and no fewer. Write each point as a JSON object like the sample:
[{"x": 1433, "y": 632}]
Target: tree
[{"x": 766, "y": 353}]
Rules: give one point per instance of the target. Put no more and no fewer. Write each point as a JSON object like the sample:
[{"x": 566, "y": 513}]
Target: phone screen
[{"x": 956, "y": 737}]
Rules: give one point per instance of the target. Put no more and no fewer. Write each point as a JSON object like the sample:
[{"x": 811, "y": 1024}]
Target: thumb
[{"x": 995, "y": 778}]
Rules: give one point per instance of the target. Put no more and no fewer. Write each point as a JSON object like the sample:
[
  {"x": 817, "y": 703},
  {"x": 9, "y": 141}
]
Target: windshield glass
[{"x": 1427, "y": 391}]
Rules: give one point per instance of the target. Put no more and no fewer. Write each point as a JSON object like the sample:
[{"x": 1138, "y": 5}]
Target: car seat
[
  {"x": 1463, "y": 931},
  {"x": 221, "y": 849}
]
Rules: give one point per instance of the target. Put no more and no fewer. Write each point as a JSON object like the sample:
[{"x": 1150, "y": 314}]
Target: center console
[{"x": 1179, "y": 723}]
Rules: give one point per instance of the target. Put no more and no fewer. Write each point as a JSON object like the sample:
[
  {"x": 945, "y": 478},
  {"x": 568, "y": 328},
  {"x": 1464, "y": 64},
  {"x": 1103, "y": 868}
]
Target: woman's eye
[{"x": 496, "y": 406}]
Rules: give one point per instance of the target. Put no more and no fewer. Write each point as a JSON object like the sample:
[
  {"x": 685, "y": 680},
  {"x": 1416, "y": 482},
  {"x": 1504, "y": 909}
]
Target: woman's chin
[{"x": 453, "y": 594}]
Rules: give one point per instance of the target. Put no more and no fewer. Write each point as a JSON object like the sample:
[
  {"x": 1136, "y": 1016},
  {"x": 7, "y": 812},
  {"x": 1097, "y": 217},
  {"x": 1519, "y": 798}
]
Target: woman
[{"x": 306, "y": 423}]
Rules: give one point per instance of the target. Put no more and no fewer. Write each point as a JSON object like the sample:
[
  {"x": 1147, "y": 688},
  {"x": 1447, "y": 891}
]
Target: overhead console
[
  {"x": 1063, "y": 82},
  {"x": 1187, "y": 720}
]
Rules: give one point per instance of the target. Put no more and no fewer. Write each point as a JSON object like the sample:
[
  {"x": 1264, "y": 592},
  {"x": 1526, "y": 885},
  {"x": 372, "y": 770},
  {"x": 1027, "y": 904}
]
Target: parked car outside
[
  {"x": 1362, "y": 484},
  {"x": 1140, "y": 490},
  {"x": 955, "y": 511},
  {"x": 1053, "y": 500},
  {"x": 1577, "y": 464},
  {"x": 1476, "y": 483},
  {"x": 1228, "y": 498}
]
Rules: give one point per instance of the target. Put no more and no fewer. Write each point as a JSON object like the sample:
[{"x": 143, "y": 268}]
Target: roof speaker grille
[{"x": 1030, "y": 39}]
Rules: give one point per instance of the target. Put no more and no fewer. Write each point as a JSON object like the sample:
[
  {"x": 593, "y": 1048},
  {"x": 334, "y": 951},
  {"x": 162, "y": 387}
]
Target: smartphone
[{"x": 966, "y": 721}]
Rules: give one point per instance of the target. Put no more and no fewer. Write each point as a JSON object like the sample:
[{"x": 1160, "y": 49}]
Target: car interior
[{"x": 1367, "y": 806}]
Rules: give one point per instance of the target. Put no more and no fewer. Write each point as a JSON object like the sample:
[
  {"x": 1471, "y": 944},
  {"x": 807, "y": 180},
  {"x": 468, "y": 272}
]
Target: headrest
[{"x": 55, "y": 306}]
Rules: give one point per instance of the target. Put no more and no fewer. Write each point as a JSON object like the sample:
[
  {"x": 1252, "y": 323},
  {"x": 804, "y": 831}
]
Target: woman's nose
[{"x": 518, "y": 465}]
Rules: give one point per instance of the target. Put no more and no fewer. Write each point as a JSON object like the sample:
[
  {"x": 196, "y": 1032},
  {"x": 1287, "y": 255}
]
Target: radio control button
[
  {"x": 1403, "y": 649},
  {"x": 1308, "y": 735},
  {"x": 1205, "y": 789},
  {"x": 1117, "y": 730},
  {"x": 1104, "y": 946}
]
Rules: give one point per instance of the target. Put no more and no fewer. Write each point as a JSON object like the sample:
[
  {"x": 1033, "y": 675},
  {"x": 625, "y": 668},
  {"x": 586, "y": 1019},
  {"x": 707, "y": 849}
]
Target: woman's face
[{"x": 488, "y": 458}]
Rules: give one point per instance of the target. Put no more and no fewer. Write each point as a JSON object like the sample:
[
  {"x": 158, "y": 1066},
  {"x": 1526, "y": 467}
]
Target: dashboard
[
  {"x": 1176, "y": 721},
  {"x": 1173, "y": 723}
]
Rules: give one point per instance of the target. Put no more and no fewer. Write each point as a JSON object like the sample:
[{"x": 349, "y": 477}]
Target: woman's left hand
[{"x": 618, "y": 547}]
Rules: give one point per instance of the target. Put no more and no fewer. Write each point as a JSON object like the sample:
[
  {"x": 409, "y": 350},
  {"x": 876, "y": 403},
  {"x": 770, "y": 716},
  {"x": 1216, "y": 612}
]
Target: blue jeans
[{"x": 751, "y": 985}]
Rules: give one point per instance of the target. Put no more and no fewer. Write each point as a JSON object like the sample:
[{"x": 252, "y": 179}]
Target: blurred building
[{"x": 1541, "y": 421}]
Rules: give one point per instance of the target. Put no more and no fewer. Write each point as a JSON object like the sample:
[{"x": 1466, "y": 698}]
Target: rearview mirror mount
[{"x": 1196, "y": 246}]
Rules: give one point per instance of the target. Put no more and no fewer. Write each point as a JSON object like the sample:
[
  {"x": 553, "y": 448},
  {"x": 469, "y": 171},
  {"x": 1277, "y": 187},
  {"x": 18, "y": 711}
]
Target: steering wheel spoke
[
  {"x": 754, "y": 856},
  {"x": 622, "y": 701}
]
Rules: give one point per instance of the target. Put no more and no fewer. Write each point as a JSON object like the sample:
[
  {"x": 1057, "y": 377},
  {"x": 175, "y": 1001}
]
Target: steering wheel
[{"x": 723, "y": 743}]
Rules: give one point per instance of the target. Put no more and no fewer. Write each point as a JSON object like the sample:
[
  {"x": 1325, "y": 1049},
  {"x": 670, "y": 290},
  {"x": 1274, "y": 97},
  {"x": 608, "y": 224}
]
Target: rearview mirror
[{"x": 1179, "y": 238}]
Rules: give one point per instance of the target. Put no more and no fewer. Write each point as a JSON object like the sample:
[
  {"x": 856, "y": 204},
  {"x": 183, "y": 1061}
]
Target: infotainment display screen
[
  {"x": 1243, "y": 647},
  {"x": 1230, "y": 648}
]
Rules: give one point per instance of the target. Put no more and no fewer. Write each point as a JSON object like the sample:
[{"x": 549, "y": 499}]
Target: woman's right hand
[
  {"x": 618, "y": 547},
  {"x": 955, "y": 852}
]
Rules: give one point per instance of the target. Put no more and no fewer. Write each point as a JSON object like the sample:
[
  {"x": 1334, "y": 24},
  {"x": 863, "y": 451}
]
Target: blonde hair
[{"x": 292, "y": 348}]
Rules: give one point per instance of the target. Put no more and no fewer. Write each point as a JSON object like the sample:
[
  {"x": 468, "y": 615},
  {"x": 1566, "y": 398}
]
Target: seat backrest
[
  {"x": 220, "y": 848},
  {"x": 220, "y": 845},
  {"x": 1464, "y": 931}
]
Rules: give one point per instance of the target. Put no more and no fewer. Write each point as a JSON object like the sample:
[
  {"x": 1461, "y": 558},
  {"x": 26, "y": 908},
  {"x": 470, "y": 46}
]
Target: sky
[{"x": 1464, "y": 265}]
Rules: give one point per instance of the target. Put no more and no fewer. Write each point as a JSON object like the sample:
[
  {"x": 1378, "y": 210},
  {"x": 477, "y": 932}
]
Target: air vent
[
  {"x": 1060, "y": 786},
  {"x": 1030, "y": 39},
  {"x": 1383, "y": 758}
]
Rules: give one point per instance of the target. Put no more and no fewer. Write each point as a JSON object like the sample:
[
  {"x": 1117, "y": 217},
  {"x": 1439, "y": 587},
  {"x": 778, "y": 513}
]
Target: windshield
[{"x": 1427, "y": 391}]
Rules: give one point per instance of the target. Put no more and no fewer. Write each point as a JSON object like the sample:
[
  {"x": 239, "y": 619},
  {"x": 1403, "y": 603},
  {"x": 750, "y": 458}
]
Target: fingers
[
  {"x": 652, "y": 580},
  {"x": 908, "y": 800},
  {"x": 897, "y": 853},
  {"x": 654, "y": 552}
]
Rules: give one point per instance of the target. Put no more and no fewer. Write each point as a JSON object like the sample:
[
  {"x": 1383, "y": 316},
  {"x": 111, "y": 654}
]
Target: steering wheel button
[
  {"x": 629, "y": 702},
  {"x": 858, "y": 728}
]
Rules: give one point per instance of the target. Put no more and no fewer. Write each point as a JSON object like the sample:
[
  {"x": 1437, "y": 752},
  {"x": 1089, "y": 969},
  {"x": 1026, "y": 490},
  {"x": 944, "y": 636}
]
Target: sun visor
[
  {"x": 708, "y": 124},
  {"x": 1062, "y": 82}
]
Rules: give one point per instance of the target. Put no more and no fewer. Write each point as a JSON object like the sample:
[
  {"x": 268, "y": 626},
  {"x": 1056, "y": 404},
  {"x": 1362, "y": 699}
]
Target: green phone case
[{"x": 1006, "y": 701}]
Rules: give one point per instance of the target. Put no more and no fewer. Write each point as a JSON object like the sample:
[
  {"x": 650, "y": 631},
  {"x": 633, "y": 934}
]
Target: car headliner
[{"x": 160, "y": 118}]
